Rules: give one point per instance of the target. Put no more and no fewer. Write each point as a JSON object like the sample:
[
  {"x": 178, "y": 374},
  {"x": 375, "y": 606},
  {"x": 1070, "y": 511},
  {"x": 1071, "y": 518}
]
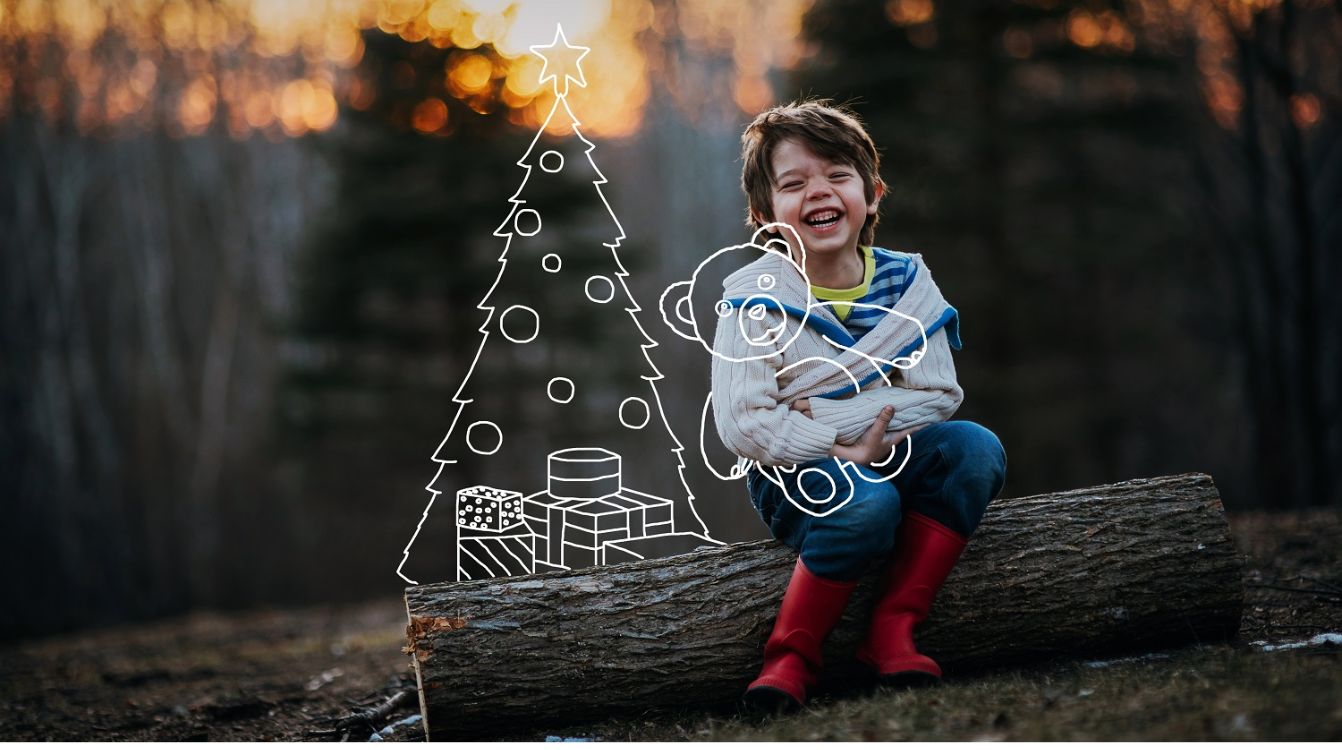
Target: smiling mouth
[{"x": 822, "y": 219}]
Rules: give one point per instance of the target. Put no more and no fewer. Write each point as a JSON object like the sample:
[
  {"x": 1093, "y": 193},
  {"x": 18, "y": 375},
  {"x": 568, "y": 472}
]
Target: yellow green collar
[{"x": 825, "y": 294}]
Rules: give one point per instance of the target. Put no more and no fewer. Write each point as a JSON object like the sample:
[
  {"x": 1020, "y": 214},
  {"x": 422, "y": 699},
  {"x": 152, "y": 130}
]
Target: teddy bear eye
[
  {"x": 766, "y": 281},
  {"x": 723, "y": 308}
]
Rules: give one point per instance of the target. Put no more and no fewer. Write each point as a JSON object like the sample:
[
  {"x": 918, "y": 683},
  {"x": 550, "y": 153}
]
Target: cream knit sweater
[{"x": 751, "y": 397}]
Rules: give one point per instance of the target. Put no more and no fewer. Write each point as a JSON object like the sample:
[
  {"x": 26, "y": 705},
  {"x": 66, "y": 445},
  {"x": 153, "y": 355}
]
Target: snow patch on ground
[
  {"x": 390, "y": 729},
  {"x": 1330, "y": 639},
  {"x": 1159, "y": 656}
]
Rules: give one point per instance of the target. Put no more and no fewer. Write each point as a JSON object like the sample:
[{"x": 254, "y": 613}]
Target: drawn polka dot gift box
[{"x": 488, "y": 509}]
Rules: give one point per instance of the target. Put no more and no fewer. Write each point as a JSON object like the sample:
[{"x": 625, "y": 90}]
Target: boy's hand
[
  {"x": 874, "y": 445},
  {"x": 802, "y": 405}
]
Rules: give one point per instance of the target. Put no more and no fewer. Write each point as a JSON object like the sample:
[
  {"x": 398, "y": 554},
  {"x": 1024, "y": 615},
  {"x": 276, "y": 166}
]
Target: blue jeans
[{"x": 956, "y": 469}]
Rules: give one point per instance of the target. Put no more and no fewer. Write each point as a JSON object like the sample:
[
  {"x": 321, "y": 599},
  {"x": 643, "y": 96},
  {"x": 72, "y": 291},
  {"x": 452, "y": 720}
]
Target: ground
[{"x": 338, "y": 673}]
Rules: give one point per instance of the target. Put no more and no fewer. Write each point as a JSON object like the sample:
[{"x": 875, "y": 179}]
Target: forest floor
[{"x": 338, "y": 674}]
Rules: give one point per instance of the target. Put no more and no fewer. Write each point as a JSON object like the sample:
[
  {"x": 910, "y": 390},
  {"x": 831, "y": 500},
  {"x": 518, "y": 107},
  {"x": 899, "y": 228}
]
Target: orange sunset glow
[{"x": 283, "y": 67}]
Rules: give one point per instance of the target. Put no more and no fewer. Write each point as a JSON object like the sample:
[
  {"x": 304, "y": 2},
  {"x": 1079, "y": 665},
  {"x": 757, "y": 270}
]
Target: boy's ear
[{"x": 879, "y": 193}]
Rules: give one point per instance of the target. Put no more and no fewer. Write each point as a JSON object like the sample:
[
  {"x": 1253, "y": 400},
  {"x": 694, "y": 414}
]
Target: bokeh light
[
  {"x": 429, "y": 116},
  {"x": 282, "y": 67}
]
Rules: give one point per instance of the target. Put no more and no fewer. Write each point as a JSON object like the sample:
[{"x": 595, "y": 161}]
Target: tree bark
[{"x": 1143, "y": 564}]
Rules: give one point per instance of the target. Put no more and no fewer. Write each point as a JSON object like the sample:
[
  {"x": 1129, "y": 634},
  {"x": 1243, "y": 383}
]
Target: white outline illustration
[
  {"x": 535, "y": 329},
  {"x": 647, "y": 413},
  {"x": 769, "y": 339},
  {"x": 517, "y": 221},
  {"x": 471, "y": 442},
  {"x": 584, "y": 517},
  {"x": 553, "y": 155},
  {"x": 558, "y": 262},
  {"x": 550, "y": 390},
  {"x": 677, "y": 307},
  {"x": 559, "y": 47},
  {"x": 569, "y": 524},
  {"x": 610, "y": 286}
]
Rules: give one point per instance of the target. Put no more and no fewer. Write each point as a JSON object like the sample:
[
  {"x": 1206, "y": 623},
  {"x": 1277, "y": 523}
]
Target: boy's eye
[
  {"x": 790, "y": 185},
  {"x": 839, "y": 175}
]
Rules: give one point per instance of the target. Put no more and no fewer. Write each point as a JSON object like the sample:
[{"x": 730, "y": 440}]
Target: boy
[{"x": 814, "y": 167}]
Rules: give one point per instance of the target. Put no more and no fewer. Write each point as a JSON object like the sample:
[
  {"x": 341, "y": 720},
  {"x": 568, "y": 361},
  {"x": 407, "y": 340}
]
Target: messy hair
[{"x": 831, "y": 131}]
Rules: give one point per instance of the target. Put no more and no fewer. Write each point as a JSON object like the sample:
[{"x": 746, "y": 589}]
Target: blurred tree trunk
[
  {"x": 1271, "y": 182},
  {"x": 139, "y": 362}
]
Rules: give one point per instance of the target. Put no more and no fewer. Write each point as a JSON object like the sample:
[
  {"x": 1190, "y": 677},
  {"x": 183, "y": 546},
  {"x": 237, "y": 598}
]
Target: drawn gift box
[
  {"x": 486, "y": 508},
  {"x": 571, "y": 532},
  {"x": 493, "y": 540},
  {"x": 584, "y": 508},
  {"x": 483, "y": 555}
]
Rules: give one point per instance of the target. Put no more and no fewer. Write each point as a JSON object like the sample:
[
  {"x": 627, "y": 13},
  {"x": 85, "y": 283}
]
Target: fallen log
[{"x": 1138, "y": 565}]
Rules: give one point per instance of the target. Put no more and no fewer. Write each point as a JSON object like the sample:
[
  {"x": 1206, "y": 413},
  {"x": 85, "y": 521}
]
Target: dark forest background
[{"x": 225, "y": 361}]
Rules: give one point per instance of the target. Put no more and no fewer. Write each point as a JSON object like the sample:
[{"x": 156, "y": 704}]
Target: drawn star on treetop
[{"x": 563, "y": 57}]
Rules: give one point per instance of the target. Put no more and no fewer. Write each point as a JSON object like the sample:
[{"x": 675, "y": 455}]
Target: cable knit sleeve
[
  {"x": 924, "y": 394},
  {"x": 751, "y": 420}
]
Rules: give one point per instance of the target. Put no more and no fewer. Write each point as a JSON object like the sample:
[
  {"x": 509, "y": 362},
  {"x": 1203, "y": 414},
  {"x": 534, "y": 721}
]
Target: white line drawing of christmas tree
[{"x": 587, "y": 514}]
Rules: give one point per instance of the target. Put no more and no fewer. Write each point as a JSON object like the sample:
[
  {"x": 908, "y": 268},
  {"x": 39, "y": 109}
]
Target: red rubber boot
[
  {"x": 925, "y": 552},
  {"x": 810, "y": 610}
]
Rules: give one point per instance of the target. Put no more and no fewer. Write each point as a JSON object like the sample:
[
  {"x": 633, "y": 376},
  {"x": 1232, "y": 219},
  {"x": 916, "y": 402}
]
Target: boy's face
[{"x": 824, "y": 201}]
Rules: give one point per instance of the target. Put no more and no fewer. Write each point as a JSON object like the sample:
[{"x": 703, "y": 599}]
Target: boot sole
[
  {"x": 764, "y": 702},
  {"x": 910, "y": 680}
]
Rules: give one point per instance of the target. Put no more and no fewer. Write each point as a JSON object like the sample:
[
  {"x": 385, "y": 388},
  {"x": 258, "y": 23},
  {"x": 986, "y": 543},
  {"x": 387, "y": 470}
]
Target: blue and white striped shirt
[{"x": 884, "y": 281}]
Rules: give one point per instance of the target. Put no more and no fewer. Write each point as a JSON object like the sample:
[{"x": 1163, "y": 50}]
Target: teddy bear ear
[
  {"x": 763, "y": 239},
  {"x": 676, "y": 312}
]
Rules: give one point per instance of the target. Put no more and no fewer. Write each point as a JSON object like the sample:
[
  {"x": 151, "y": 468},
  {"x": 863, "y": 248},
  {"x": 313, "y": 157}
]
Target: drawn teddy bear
[{"x": 764, "y": 306}]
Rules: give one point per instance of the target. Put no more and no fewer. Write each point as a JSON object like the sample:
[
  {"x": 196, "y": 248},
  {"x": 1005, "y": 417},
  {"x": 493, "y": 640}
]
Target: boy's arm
[
  {"x": 749, "y": 416},
  {"x": 928, "y": 394}
]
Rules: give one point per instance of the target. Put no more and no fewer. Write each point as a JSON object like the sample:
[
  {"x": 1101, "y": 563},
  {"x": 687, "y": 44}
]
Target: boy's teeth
[{"x": 823, "y": 219}]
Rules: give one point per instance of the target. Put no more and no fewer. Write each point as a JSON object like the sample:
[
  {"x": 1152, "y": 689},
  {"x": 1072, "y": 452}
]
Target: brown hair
[{"x": 833, "y": 132}]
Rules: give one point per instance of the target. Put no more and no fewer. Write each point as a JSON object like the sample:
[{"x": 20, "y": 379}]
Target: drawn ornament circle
[
  {"x": 552, "y": 161},
  {"x": 520, "y": 324},
  {"x": 527, "y": 222},
  {"x": 484, "y": 438},
  {"x": 831, "y": 487},
  {"x": 634, "y": 413},
  {"x": 600, "y": 289},
  {"x": 560, "y": 390},
  {"x": 551, "y": 263}
]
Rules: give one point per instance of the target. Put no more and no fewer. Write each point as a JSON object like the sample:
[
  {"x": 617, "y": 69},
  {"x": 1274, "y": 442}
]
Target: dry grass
[{"x": 1208, "y": 693}]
